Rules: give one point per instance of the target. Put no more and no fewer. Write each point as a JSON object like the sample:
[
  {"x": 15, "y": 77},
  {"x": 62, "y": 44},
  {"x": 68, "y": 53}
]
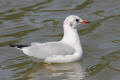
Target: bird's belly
[{"x": 63, "y": 58}]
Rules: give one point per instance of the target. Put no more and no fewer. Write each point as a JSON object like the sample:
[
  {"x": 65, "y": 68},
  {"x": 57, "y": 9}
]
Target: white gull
[{"x": 68, "y": 49}]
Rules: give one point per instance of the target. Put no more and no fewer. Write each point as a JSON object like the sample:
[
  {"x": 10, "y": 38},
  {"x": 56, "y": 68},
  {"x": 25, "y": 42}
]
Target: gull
[{"x": 68, "y": 49}]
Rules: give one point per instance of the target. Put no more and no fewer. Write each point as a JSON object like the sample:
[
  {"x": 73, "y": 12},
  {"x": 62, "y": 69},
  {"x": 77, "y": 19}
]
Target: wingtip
[
  {"x": 18, "y": 45},
  {"x": 12, "y": 45}
]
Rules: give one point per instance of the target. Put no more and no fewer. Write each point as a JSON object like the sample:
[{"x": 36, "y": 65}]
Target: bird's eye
[{"x": 77, "y": 20}]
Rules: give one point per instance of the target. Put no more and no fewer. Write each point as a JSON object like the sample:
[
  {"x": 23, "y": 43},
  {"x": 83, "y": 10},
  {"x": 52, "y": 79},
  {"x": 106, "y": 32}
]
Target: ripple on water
[{"x": 25, "y": 21}]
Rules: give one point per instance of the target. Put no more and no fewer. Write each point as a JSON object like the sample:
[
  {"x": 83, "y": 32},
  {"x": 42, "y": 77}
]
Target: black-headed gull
[{"x": 68, "y": 49}]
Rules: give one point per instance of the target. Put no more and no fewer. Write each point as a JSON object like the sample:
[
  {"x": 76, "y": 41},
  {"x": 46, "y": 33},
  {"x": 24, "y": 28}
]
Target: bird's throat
[{"x": 71, "y": 36}]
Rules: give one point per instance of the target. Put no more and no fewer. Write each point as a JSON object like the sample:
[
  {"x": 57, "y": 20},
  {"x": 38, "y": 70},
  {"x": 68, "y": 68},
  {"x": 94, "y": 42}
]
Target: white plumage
[{"x": 66, "y": 50}]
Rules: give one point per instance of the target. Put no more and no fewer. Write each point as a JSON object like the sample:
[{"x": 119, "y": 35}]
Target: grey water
[{"x": 26, "y": 21}]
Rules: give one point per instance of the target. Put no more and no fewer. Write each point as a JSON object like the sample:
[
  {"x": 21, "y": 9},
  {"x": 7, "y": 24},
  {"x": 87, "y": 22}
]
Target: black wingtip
[
  {"x": 18, "y": 45},
  {"x": 12, "y": 45}
]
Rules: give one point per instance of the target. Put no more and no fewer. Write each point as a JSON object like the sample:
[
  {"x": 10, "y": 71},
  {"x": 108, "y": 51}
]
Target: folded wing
[{"x": 49, "y": 49}]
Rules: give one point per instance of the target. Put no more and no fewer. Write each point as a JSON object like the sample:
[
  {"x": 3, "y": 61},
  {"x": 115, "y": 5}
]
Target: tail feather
[{"x": 18, "y": 45}]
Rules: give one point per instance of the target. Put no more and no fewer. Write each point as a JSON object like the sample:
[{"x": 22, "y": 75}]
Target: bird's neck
[{"x": 71, "y": 37}]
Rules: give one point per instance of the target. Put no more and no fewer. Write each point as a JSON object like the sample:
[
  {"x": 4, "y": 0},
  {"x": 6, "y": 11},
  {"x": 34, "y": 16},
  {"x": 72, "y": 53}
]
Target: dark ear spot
[{"x": 71, "y": 24}]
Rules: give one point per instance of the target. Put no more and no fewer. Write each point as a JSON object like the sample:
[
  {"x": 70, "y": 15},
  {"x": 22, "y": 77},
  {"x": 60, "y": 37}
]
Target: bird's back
[{"x": 49, "y": 49}]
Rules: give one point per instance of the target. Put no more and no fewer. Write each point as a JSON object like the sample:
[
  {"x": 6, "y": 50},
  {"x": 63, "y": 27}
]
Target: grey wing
[{"x": 49, "y": 49}]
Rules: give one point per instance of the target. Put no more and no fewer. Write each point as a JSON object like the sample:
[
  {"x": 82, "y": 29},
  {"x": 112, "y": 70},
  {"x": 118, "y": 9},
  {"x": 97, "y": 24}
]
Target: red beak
[{"x": 84, "y": 22}]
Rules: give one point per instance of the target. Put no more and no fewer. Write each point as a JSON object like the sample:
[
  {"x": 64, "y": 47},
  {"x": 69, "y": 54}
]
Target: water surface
[{"x": 25, "y": 21}]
